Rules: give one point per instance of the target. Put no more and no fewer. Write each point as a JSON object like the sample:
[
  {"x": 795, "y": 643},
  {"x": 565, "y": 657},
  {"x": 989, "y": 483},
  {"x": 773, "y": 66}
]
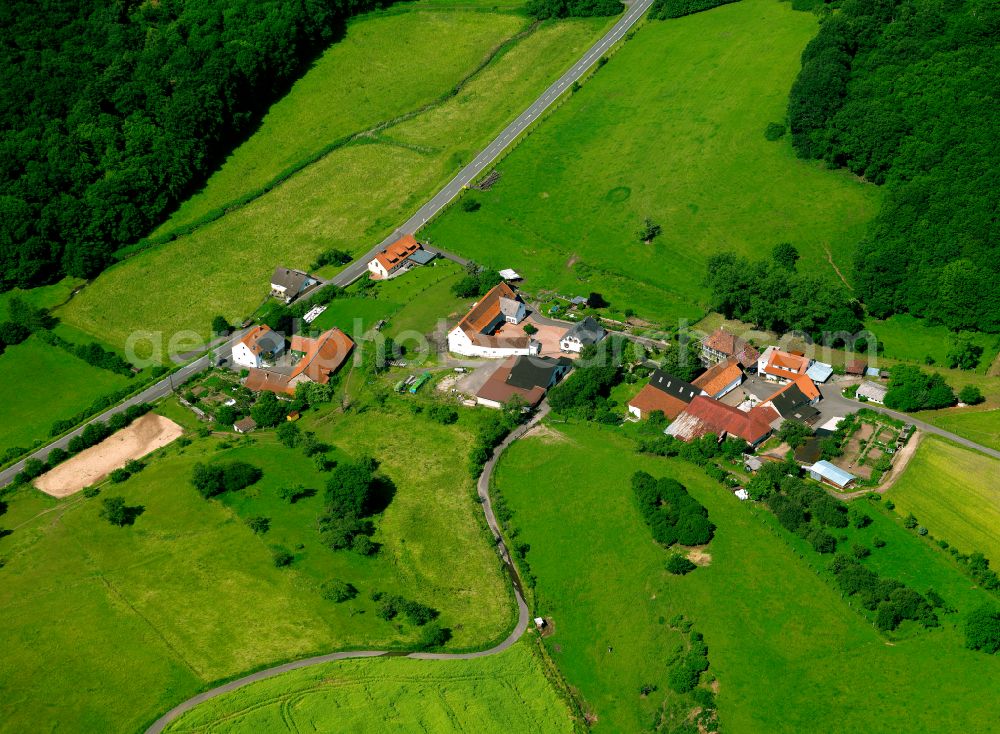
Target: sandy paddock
[{"x": 144, "y": 436}]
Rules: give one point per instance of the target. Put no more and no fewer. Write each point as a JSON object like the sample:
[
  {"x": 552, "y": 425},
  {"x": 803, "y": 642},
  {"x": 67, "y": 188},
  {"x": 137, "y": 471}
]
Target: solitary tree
[
  {"x": 649, "y": 231},
  {"x": 220, "y": 326}
]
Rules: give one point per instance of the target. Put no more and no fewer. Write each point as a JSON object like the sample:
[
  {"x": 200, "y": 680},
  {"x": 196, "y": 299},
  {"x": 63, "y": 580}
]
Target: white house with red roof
[
  {"x": 490, "y": 329},
  {"x": 260, "y": 346},
  {"x": 392, "y": 259}
]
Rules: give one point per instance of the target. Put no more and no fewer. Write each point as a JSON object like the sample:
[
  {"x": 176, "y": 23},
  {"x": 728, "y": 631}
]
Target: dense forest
[
  {"x": 111, "y": 110},
  {"x": 905, "y": 93}
]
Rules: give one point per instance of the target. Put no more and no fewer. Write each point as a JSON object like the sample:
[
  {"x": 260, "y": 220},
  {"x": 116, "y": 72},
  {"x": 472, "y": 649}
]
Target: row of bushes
[
  {"x": 891, "y": 600},
  {"x": 92, "y": 434},
  {"x": 663, "y": 9},
  {"x": 673, "y": 515},
  {"x": 214, "y": 479}
]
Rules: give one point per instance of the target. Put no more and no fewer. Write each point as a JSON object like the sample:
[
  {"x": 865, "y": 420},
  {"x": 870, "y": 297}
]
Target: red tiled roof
[
  {"x": 719, "y": 376},
  {"x": 790, "y": 364},
  {"x": 485, "y": 313},
  {"x": 649, "y": 399},
  {"x": 323, "y": 355},
  {"x": 803, "y": 382},
  {"x": 275, "y": 382},
  {"x": 252, "y": 338},
  {"x": 706, "y": 415},
  {"x": 498, "y": 390},
  {"x": 394, "y": 255},
  {"x": 732, "y": 346},
  {"x": 856, "y": 367}
]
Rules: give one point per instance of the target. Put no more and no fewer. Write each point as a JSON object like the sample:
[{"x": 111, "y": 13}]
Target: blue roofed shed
[
  {"x": 824, "y": 471},
  {"x": 819, "y": 371}
]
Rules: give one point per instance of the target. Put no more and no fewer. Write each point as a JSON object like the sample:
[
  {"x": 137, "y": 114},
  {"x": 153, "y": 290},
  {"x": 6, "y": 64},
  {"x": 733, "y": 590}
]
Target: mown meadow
[
  {"x": 493, "y": 695},
  {"x": 670, "y": 129},
  {"x": 952, "y": 491},
  {"x": 787, "y": 651},
  {"x": 135, "y": 619}
]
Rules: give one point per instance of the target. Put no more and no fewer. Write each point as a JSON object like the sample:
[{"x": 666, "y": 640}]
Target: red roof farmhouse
[
  {"x": 488, "y": 330},
  {"x": 705, "y": 415}
]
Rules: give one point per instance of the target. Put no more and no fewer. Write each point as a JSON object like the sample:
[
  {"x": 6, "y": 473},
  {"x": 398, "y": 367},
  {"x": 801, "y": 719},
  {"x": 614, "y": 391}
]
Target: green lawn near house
[
  {"x": 952, "y": 491},
  {"x": 350, "y": 199},
  {"x": 381, "y": 69},
  {"x": 908, "y": 338},
  {"x": 788, "y": 652},
  {"x": 189, "y": 595},
  {"x": 493, "y": 695},
  {"x": 672, "y": 129},
  {"x": 43, "y": 384}
]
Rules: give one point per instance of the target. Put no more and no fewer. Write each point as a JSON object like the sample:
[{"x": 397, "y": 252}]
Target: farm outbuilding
[
  {"x": 872, "y": 391},
  {"x": 824, "y": 471}
]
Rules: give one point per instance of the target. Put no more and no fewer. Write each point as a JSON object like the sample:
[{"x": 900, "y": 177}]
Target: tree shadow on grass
[{"x": 380, "y": 495}]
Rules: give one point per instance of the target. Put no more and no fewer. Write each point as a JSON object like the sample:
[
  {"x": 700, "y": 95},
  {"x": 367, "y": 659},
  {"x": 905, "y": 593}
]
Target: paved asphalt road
[
  {"x": 492, "y": 151},
  {"x": 834, "y": 401},
  {"x": 523, "y": 614},
  {"x": 440, "y": 200}
]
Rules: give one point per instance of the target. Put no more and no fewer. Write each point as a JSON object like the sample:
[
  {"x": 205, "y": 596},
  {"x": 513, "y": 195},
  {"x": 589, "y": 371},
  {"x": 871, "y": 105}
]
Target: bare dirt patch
[
  {"x": 144, "y": 436},
  {"x": 546, "y": 435},
  {"x": 699, "y": 557}
]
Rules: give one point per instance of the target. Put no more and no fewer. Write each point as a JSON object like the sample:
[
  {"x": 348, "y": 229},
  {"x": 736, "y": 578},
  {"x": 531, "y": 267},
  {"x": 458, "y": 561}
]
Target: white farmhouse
[
  {"x": 485, "y": 331},
  {"x": 287, "y": 284},
  {"x": 581, "y": 335},
  {"x": 391, "y": 260},
  {"x": 258, "y": 347}
]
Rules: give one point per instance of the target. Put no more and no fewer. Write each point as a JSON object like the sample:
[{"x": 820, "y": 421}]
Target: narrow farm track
[
  {"x": 523, "y": 615},
  {"x": 507, "y": 137}
]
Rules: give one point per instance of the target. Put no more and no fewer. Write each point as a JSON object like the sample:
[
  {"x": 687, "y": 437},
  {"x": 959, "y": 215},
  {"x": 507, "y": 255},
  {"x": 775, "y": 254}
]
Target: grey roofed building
[
  {"x": 510, "y": 307},
  {"x": 529, "y": 371},
  {"x": 422, "y": 256},
  {"x": 289, "y": 280},
  {"x": 674, "y": 386},
  {"x": 819, "y": 371},
  {"x": 792, "y": 403},
  {"x": 872, "y": 391},
  {"x": 586, "y": 332},
  {"x": 824, "y": 471}
]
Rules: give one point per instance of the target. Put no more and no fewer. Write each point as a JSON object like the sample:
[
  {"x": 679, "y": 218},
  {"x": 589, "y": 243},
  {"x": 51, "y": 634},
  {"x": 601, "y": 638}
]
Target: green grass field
[
  {"x": 359, "y": 82},
  {"x": 671, "y": 129},
  {"x": 44, "y": 384},
  {"x": 908, "y": 338},
  {"x": 411, "y": 305},
  {"x": 351, "y": 199},
  {"x": 788, "y": 652},
  {"x": 953, "y": 492},
  {"x": 47, "y": 296},
  {"x": 189, "y": 595},
  {"x": 494, "y": 695},
  {"x": 981, "y": 426}
]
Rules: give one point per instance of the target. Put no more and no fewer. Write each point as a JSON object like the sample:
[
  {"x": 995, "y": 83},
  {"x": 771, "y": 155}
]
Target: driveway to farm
[
  {"x": 834, "y": 403},
  {"x": 523, "y": 615}
]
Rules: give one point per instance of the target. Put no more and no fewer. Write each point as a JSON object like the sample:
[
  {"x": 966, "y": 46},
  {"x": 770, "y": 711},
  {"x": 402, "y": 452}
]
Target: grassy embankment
[
  {"x": 189, "y": 595},
  {"x": 788, "y": 652},
  {"x": 493, "y": 695},
  {"x": 350, "y": 198},
  {"x": 671, "y": 129}
]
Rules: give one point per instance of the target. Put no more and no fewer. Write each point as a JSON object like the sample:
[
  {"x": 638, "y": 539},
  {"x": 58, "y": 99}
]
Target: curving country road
[
  {"x": 360, "y": 266},
  {"x": 523, "y": 615}
]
